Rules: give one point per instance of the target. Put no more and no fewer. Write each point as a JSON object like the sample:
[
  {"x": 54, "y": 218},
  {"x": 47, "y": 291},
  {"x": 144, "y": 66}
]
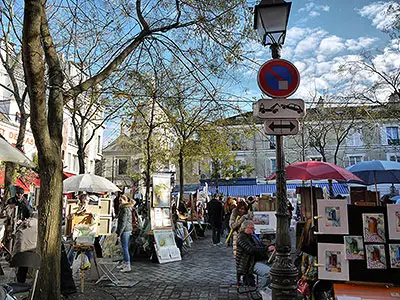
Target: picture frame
[
  {"x": 264, "y": 221},
  {"x": 332, "y": 216},
  {"x": 393, "y": 215},
  {"x": 394, "y": 256},
  {"x": 161, "y": 190},
  {"x": 332, "y": 264},
  {"x": 354, "y": 247},
  {"x": 374, "y": 228},
  {"x": 376, "y": 257}
]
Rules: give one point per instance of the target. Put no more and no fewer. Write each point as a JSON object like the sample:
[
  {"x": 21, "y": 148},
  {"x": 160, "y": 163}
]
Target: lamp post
[{"x": 270, "y": 20}]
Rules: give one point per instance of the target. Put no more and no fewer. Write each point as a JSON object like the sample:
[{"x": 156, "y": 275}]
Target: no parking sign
[{"x": 278, "y": 78}]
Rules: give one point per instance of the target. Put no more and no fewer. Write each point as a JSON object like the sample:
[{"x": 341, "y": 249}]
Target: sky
[{"x": 323, "y": 34}]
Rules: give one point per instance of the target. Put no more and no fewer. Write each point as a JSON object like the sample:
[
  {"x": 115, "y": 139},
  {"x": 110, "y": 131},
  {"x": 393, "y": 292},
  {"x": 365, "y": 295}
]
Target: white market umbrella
[
  {"x": 11, "y": 154},
  {"x": 88, "y": 183}
]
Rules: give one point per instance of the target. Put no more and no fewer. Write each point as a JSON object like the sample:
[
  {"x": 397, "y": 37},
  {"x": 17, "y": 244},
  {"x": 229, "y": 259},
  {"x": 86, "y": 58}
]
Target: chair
[{"x": 26, "y": 259}]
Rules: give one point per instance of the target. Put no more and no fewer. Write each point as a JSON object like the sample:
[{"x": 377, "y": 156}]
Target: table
[{"x": 365, "y": 291}]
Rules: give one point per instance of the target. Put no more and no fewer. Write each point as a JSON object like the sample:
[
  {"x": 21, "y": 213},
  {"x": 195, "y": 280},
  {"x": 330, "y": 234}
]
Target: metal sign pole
[{"x": 283, "y": 271}]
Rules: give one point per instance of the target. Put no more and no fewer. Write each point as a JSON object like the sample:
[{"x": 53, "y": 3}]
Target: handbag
[{"x": 303, "y": 287}]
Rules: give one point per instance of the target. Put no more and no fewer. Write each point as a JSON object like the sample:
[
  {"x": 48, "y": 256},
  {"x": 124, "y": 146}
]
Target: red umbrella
[{"x": 317, "y": 170}]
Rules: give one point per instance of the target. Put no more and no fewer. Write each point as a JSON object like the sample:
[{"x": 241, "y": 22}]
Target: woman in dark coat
[{"x": 124, "y": 230}]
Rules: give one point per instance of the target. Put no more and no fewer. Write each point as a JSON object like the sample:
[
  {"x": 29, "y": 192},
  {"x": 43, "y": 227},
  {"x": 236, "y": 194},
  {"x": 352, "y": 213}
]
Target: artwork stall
[
  {"x": 160, "y": 215},
  {"x": 84, "y": 223},
  {"x": 357, "y": 243}
]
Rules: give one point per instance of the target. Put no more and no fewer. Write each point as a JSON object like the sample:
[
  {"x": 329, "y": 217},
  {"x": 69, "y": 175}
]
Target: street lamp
[
  {"x": 227, "y": 183},
  {"x": 270, "y": 20}
]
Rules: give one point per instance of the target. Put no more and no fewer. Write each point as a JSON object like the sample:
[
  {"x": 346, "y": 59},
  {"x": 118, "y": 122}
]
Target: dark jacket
[
  {"x": 125, "y": 218},
  {"x": 248, "y": 252},
  {"x": 24, "y": 208},
  {"x": 215, "y": 213}
]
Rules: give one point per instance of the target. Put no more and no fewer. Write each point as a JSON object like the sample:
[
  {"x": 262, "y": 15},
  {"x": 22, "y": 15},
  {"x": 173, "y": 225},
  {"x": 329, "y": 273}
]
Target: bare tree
[{"x": 210, "y": 23}]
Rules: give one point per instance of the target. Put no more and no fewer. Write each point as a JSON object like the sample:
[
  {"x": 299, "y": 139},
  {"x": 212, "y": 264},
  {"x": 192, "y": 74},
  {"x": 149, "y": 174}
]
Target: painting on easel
[
  {"x": 376, "y": 258},
  {"x": 354, "y": 247},
  {"x": 374, "y": 228}
]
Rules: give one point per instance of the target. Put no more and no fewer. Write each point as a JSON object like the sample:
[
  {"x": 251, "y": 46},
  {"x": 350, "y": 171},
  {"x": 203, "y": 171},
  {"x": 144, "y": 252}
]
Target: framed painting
[
  {"x": 332, "y": 216},
  {"x": 394, "y": 254},
  {"x": 393, "y": 215},
  {"x": 374, "y": 228},
  {"x": 354, "y": 247},
  {"x": 264, "y": 221},
  {"x": 161, "y": 190},
  {"x": 376, "y": 257},
  {"x": 332, "y": 264}
]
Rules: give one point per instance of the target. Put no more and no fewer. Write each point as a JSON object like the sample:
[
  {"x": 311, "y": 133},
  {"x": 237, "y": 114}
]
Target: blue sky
[{"x": 322, "y": 35}]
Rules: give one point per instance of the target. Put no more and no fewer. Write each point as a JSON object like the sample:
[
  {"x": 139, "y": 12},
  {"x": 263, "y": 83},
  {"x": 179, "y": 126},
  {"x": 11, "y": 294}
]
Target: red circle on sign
[{"x": 278, "y": 78}]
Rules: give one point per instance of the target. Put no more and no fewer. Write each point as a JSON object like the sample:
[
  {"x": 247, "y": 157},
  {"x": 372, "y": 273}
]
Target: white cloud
[
  {"x": 382, "y": 14},
  {"x": 313, "y": 10},
  {"x": 360, "y": 43},
  {"x": 331, "y": 45}
]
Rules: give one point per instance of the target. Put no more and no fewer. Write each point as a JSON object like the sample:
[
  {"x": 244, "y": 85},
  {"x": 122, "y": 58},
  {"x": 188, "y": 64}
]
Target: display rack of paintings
[
  {"x": 332, "y": 216},
  {"x": 264, "y": 221},
  {"x": 166, "y": 248},
  {"x": 160, "y": 210},
  {"x": 374, "y": 228},
  {"x": 332, "y": 264},
  {"x": 394, "y": 254},
  {"x": 354, "y": 247},
  {"x": 376, "y": 257},
  {"x": 393, "y": 215}
]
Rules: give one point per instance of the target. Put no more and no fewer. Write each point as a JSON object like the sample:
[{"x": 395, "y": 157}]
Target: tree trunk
[
  {"x": 181, "y": 181},
  {"x": 81, "y": 160},
  {"x": 46, "y": 124}
]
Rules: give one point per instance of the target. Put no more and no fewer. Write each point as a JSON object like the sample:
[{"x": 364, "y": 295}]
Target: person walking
[
  {"x": 124, "y": 231},
  {"x": 215, "y": 213},
  {"x": 229, "y": 205},
  {"x": 238, "y": 216}
]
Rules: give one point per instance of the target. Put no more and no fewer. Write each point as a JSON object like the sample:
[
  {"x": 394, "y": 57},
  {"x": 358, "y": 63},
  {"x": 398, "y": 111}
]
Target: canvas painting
[
  {"x": 264, "y": 221},
  {"x": 394, "y": 253},
  {"x": 376, "y": 258},
  {"x": 332, "y": 216},
  {"x": 354, "y": 247},
  {"x": 161, "y": 190},
  {"x": 332, "y": 264},
  {"x": 374, "y": 228},
  {"x": 393, "y": 215}
]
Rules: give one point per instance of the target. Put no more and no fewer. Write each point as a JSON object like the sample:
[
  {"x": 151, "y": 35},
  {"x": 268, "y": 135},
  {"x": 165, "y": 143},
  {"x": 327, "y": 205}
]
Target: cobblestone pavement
[{"x": 205, "y": 272}]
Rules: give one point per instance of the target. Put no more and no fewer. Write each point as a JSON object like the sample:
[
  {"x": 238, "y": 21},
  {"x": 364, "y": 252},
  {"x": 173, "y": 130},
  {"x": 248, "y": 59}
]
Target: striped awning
[{"x": 258, "y": 189}]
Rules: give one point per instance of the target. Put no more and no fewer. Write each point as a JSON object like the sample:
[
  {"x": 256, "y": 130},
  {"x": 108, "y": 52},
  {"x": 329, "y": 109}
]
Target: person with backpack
[{"x": 124, "y": 231}]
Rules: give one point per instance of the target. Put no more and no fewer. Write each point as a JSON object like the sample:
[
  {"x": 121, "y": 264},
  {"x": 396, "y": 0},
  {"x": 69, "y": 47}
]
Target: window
[
  {"x": 394, "y": 157},
  {"x": 355, "y": 159},
  {"x": 355, "y": 138},
  {"x": 273, "y": 165},
  {"x": 392, "y": 134},
  {"x": 98, "y": 144},
  {"x": 75, "y": 163},
  {"x": 272, "y": 142},
  {"x": 122, "y": 166},
  {"x": 316, "y": 158}
]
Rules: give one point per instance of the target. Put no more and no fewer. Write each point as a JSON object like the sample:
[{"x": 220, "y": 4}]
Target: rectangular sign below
[
  {"x": 279, "y": 109},
  {"x": 282, "y": 127}
]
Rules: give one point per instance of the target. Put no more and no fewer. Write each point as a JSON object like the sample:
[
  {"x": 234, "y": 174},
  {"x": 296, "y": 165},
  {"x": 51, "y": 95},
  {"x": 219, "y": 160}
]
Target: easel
[{"x": 83, "y": 249}]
